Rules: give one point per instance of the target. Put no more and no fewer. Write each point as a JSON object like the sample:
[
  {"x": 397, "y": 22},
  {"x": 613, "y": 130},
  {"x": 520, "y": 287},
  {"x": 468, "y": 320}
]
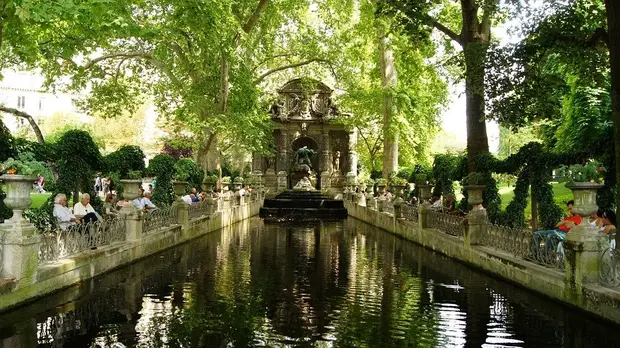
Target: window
[
  {"x": 21, "y": 102},
  {"x": 40, "y": 104}
]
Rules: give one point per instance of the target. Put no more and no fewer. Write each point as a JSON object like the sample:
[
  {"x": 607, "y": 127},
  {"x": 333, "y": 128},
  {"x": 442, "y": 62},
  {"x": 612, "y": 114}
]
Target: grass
[
  {"x": 38, "y": 199},
  {"x": 561, "y": 195}
]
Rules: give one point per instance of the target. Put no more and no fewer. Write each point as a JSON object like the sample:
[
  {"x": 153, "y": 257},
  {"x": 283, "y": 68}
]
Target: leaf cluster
[
  {"x": 162, "y": 168},
  {"x": 126, "y": 159}
]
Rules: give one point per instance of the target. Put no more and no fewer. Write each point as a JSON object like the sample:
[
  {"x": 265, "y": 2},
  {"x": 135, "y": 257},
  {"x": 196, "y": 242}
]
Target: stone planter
[
  {"x": 209, "y": 188},
  {"x": 179, "y": 187},
  {"x": 130, "y": 188},
  {"x": 584, "y": 194},
  {"x": 425, "y": 191},
  {"x": 398, "y": 190},
  {"x": 474, "y": 194},
  {"x": 18, "y": 194},
  {"x": 380, "y": 189}
]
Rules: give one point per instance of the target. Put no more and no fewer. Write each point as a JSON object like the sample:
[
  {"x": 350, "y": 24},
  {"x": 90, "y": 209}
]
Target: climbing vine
[{"x": 162, "y": 167}]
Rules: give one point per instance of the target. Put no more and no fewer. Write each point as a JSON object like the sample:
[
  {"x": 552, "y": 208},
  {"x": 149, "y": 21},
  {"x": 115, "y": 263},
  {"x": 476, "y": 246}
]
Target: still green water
[{"x": 323, "y": 285}]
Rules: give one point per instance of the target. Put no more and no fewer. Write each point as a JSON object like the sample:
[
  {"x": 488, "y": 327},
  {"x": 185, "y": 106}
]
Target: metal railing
[
  {"x": 159, "y": 218},
  {"x": 547, "y": 250},
  {"x": 609, "y": 264},
  {"x": 388, "y": 207},
  {"x": 197, "y": 209},
  {"x": 453, "y": 225},
  {"x": 77, "y": 238},
  {"x": 515, "y": 241},
  {"x": 410, "y": 212}
]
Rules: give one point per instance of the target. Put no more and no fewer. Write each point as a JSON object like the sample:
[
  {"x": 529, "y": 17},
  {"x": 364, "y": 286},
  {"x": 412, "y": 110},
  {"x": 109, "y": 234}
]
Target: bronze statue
[{"x": 303, "y": 155}]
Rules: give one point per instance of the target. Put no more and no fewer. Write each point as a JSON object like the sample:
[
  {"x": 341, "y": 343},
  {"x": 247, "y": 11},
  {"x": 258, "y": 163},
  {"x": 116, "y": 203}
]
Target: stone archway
[{"x": 311, "y": 144}]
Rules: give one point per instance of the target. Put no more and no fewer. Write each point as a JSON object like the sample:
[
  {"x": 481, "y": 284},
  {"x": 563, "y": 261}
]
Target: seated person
[
  {"x": 436, "y": 203},
  {"x": 194, "y": 193},
  {"x": 108, "y": 206},
  {"x": 84, "y": 210},
  {"x": 560, "y": 231},
  {"x": 62, "y": 213},
  {"x": 189, "y": 199},
  {"x": 142, "y": 202},
  {"x": 609, "y": 227},
  {"x": 388, "y": 195},
  {"x": 450, "y": 203}
]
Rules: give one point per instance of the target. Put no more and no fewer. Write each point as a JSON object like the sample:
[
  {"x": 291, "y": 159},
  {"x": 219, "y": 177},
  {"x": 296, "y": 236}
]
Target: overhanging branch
[
  {"x": 293, "y": 65},
  {"x": 29, "y": 118},
  {"x": 449, "y": 32}
]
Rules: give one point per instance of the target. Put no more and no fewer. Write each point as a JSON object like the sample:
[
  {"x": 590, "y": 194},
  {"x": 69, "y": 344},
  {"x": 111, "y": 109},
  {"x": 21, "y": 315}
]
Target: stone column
[
  {"x": 133, "y": 222},
  {"x": 423, "y": 210},
  {"x": 352, "y": 153},
  {"x": 326, "y": 164},
  {"x": 211, "y": 205},
  {"x": 582, "y": 251},
  {"x": 282, "y": 181},
  {"x": 477, "y": 225},
  {"x": 283, "y": 160},
  {"x": 257, "y": 164},
  {"x": 182, "y": 210},
  {"x": 20, "y": 251}
]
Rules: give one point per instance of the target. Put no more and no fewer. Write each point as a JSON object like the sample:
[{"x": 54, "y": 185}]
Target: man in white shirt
[
  {"x": 142, "y": 202},
  {"x": 62, "y": 213},
  {"x": 189, "y": 199},
  {"x": 242, "y": 191},
  {"x": 83, "y": 207}
]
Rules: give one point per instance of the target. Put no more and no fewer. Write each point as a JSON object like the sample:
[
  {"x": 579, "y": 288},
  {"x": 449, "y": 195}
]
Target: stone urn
[
  {"x": 425, "y": 191},
  {"x": 130, "y": 188},
  {"x": 179, "y": 187},
  {"x": 18, "y": 194},
  {"x": 474, "y": 194},
  {"x": 399, "y": 190},
  {"x": 381, "y": 189},
  {"x": 584, "y": 194}
]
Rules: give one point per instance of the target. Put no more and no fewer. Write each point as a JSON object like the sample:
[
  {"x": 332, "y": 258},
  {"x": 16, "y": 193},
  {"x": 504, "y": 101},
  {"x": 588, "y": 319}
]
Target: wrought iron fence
[
  {"x": 451, "y": 224},
  {"x": 159, "y": 218},
  {"x": 59, "y": 244},
  {"x": 609, "y": 265},
  {"x": 547, "y": 249},
  {"x": 410, "y": 212},
  {"x": 516, "y": 241},
  {"x": 198, "y": 209}
]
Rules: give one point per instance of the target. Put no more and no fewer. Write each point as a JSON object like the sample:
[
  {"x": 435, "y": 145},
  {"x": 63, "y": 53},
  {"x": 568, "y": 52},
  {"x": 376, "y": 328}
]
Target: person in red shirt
[{"x": 557, "y": 235}]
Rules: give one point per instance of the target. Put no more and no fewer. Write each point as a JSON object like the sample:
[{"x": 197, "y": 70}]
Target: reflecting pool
[{"x": 321, "y": 285}]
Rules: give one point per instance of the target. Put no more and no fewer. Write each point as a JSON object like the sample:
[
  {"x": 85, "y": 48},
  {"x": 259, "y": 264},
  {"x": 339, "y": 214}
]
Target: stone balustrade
[
  {"x": 584, "y": 272},
  {"x": 33, "y": 264}
]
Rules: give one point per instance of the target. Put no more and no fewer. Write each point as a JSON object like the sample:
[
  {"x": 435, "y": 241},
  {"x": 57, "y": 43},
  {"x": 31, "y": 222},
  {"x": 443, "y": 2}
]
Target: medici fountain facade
[{"x": 313, "y": 149}]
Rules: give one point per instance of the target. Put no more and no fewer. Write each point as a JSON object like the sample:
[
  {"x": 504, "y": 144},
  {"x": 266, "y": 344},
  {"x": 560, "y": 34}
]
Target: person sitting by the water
[
  {"x": 450, "y": 203},
  {"x": 559, "y": 233},
  {"x": 596, "y": 219},
  {"x": 609, "y": 227},
  {"x": 437, "y": 203},
  {"x": 62, "y": 213},
  {"x": 242, "y": 191},
  {"x": 387, "y": 195},
  {"x": 108, "y": 206},
  {"x": 142, "y": 202},
  {"x": 189, "y": 199},
  {"x": 194, "y": 192},
  {"x": 84, "y": 210}
]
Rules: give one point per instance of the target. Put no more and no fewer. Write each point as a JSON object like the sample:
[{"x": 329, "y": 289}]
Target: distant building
[{"x": 24, "y": 91}]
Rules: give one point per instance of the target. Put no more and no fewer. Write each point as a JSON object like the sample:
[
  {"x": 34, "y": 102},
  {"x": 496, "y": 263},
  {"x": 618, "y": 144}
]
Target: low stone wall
[
  {"x": 601, "y": 301},
  {"x": 80, "y": 267}
]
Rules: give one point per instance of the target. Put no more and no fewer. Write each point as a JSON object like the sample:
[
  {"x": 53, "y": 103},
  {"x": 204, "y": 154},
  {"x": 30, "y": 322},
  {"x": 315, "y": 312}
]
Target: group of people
[{"x": 603, "y": 221}]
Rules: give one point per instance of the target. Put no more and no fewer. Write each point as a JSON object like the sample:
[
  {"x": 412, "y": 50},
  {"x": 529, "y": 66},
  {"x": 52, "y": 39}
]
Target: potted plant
[
  {"x": 225, "y": 183},
  {"x": 19, "y": 177},
  {"x": 381, "y": 184},
  {"x": 131, "y": 184},
  {"x": 398, "y": 184},
  {"x": 210, "y": 182},
  {"x": 474, "y": 184},
  {"x": 237, "y": 183},
  {"x": 584, "y": 181},
  {"x": 421, "y": 182}
]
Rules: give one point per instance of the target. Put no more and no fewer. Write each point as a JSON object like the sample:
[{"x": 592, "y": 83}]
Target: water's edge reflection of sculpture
[
  {"x": 304, "y": 185},
  {"x": 303, "y": 155}
]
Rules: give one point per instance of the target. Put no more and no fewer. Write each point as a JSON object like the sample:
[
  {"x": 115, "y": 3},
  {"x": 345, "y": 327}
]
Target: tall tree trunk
[
  {"x": 389, "y": 81},
  {"x": 613, "y": 30},
  {"x": 475, "y": 36},
  {"x": 29, "y": 118},
  {"x": 477, "y": 140}
]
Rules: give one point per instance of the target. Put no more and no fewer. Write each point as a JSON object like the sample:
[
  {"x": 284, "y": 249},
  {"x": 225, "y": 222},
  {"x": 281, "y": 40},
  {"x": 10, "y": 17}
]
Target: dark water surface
[{"x": 324, "y": 285}]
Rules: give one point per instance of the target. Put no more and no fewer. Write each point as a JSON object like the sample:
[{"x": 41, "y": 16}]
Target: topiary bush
[
  {"x": 187, "y": 170},
  {"x": 126, "y": 159},
  {"x": 162, "y": 168},
  {"x": 6, "y": 151}
]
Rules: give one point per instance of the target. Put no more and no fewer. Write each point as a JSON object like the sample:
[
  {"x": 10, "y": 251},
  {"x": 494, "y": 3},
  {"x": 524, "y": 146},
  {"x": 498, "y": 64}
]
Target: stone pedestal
[
  {"x": 371, "y": 203},
  {"x": 282, "y": 181},
  {"x": 582, "y": 249},
  {"x": 325, "y": 180},
  {"x": 182, "y": 210},
  {"x": 133, "y": 222},
  {"x": 211, "y": 205},
  {"x": 398, "y": 208},
  {"x": 477, "y": 225},
  {"x": 423, "y": 210},
  {"x": 20, "y": 252}
]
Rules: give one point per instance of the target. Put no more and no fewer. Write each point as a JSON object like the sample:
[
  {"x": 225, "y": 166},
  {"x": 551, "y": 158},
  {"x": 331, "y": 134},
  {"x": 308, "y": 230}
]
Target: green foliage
[
  {"x": 211, "y": 179},
  {"x": 448, "y": 168},
  {"x": 187, "y": 170},
  {"x": 77, "y": 158},
  {"x": 126, "y": 159},
  {"x": 382, "y": 182},
  {"x": 162, "y": 168},
  {"x": 398, "y": 181},
  {"x": 6, "y": 143},
  {"x": 116, "y": 185},
  {"x": 474, "y": 178},
  {"x": 589, "y": 172},
  {"x": 20, "y": 166},
  {"x": 42, "y": 217}
]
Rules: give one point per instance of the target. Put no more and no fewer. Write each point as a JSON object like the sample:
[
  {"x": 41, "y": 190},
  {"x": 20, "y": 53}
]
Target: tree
[
  {"x": 510, "y": 142},
  {"x": 474, "y": 37},
  {"x": 613, "y": 42}
]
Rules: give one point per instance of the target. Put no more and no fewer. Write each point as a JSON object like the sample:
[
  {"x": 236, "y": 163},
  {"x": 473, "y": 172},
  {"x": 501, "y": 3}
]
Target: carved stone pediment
[{"x": 304, "y": 99}]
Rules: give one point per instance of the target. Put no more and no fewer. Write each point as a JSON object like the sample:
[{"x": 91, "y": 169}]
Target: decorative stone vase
[
  {"x": 398, "y": 190},
  {"x": 381, "y": 189},
  {"x": 209, "y": 188},
  {"x": 474, "y": 194},
  {"x": 425, "y": 191},
  {"x": 584, "y": 194},
  {"x": 179, "y": 187},
  {"x": 130, "y": 188},
  {"x": 18, "y": 194}
]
